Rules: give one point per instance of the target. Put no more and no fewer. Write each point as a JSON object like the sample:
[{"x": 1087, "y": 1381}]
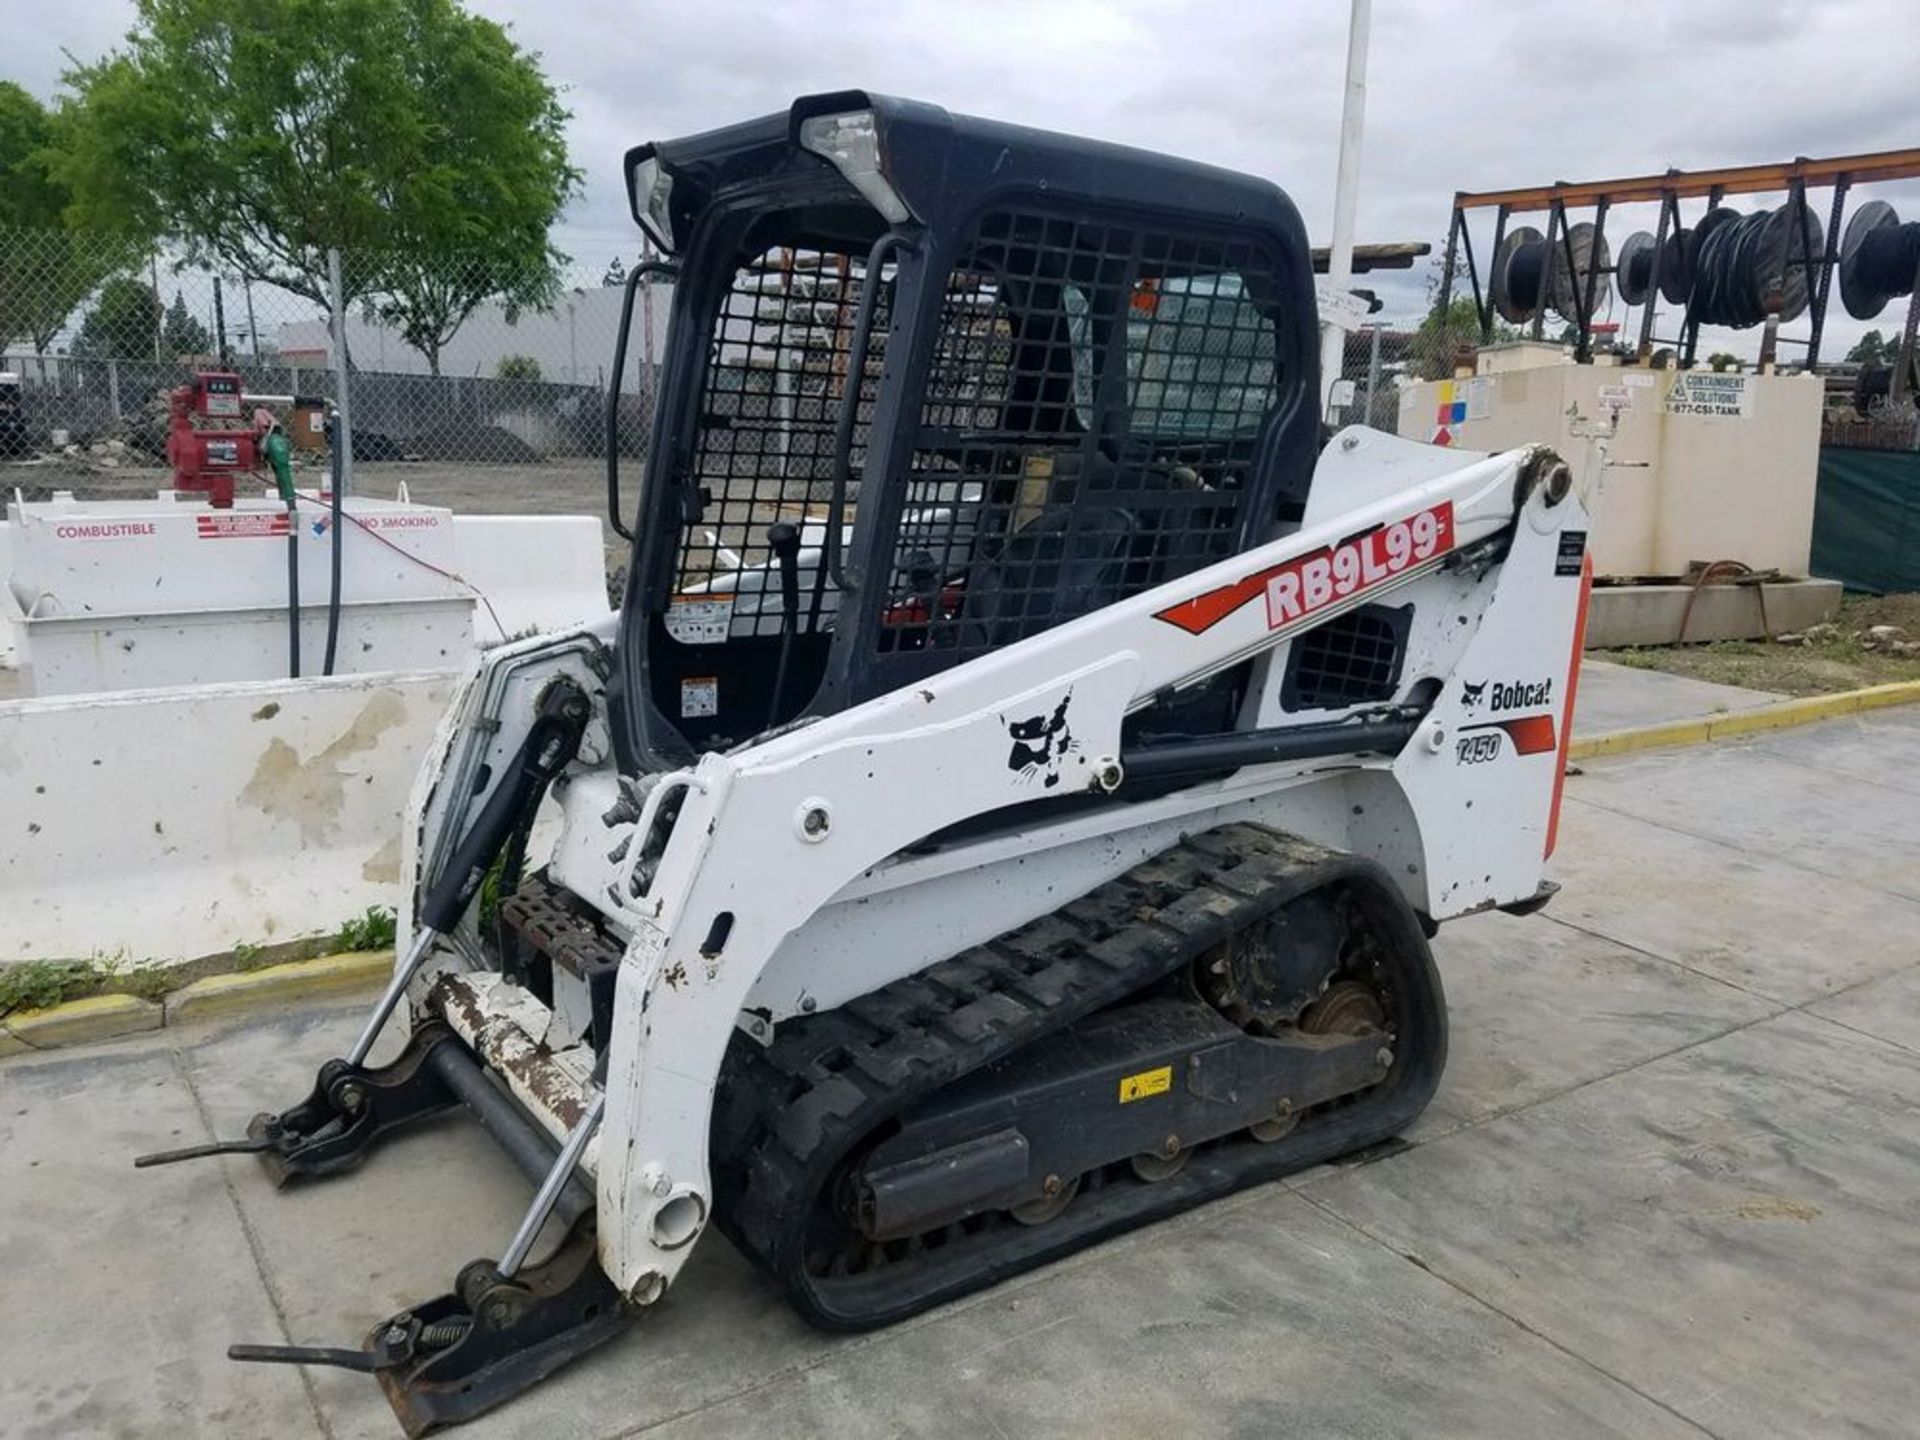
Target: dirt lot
[{"x": 1837, "y": 660}]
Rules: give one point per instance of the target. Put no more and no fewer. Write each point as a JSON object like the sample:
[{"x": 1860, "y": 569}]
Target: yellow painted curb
[
  {"x": 219, "y": 995},
  {"x": 11, "y": 1044},
  {"x": 80, "y": 1022},
  {"x": 1784, "y": 715}
]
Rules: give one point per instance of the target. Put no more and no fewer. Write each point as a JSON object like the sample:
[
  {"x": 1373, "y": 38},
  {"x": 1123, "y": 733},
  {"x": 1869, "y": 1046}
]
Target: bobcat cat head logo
[
  {"x": 1470, "y": 694},
  {"x": 1041, "y": 743}
]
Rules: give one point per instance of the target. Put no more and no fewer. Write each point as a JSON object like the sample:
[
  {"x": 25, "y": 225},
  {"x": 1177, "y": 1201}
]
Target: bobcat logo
[
  {"x": 1041, "y": 743},
  {"x": 1470, "y": 694}
]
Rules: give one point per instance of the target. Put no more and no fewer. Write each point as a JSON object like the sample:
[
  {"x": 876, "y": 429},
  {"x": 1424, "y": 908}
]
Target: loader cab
[{"x": 933, "y": 385}]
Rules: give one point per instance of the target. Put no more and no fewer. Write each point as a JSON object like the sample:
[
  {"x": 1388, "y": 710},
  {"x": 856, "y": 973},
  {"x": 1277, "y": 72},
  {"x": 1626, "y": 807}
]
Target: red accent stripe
[
  {"x": 1203, "y": 612},
  {"x": 1531, "y": 734},
  {"x": 1573, "y": 691}
]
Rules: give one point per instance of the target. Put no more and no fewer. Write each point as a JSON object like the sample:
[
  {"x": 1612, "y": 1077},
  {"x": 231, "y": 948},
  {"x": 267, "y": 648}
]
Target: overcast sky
[{"x": 1462, "y": 94}]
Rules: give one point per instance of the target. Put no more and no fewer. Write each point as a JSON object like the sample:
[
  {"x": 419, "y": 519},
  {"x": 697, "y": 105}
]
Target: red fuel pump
[{"x": 209, "y": 438}]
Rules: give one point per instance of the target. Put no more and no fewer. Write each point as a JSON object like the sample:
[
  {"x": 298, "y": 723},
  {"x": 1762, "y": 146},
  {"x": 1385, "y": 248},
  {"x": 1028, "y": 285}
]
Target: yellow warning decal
[{"x": 1147, "y": 1082}]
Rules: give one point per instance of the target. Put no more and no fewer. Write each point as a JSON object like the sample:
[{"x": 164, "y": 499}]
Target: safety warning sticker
[
  {"x": 1147, "y": 1082},
  {"x": 700, "y": 619},
  {"x": 240, "y": 526},
  {"x": 699, "y": 696}
]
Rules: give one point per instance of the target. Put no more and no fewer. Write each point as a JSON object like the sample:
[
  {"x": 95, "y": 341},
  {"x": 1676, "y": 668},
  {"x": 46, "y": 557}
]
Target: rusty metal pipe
[
  {"x": 553, "y": 1094},
  {"x": 524, "y": 1143}
]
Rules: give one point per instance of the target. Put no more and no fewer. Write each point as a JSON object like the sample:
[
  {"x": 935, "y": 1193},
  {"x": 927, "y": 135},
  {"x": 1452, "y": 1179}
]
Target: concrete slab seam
[
  {"x": 1804, "y": 710},
  {"x": 254, "y": 1249},
  {"x": 1514, "y": 1320},
  {"x": 1737, "y": 849}
]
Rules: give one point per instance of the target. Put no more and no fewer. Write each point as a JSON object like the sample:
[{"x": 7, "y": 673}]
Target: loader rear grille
[
  {"x": 1089, "y": 420},
  {"x": 1353, "y": 659}
]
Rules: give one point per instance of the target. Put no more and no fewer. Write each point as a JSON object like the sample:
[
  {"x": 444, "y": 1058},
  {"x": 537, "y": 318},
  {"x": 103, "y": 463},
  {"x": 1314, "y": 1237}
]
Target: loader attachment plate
[
  {"x": 350, "y": 1109},
  {"x": 461, "y": 1354},
  {"x": 515, "y": 1333}
]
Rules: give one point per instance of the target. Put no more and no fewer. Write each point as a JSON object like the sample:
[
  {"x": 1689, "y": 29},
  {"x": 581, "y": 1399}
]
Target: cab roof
[{"x": 944, "y": 166}]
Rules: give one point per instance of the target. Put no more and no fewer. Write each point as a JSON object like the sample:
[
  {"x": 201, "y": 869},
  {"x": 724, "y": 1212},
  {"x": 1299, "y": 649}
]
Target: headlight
[
  {"x": 851, "y": 144},
  {"x": 652, "y": 195}
]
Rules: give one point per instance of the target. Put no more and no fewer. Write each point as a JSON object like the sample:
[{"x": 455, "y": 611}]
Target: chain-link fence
[
  {"x": 1380, "y": 361},
  {"x": 479, "y": 389},
  {"x": 476, "y": 387}
]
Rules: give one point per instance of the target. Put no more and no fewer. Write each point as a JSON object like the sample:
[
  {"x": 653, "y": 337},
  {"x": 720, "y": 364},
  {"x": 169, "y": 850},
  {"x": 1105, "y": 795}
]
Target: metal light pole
[
  {"x": 343, "y": 430},
  {"x": 1353, "y": 121}
]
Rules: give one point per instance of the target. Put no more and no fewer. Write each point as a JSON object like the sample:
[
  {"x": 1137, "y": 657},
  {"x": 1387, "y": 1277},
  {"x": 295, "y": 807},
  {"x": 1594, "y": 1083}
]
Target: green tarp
[{"x": 1866, "y": 519}]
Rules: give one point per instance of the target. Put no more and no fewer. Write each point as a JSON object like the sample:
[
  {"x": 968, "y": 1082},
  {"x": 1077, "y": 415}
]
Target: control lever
[
  {"x": 783, "y": 538},
  {"x": 334, "y": 1122}
]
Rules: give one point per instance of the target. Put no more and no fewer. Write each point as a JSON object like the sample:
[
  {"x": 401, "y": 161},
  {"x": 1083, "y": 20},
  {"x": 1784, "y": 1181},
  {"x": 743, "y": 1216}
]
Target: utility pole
[
  {"x": 1353, "y": 122},
  {"x": 343, "y": 428}
]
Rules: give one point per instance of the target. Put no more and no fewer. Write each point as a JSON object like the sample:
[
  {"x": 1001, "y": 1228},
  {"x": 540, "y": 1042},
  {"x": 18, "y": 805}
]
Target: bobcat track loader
[{"x": 1014, "y": 798}]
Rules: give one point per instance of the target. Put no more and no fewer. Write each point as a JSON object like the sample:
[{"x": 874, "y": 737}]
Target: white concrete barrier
[
  {"x": 152, "y": 826},
  {"x": 538, "y": 572}
]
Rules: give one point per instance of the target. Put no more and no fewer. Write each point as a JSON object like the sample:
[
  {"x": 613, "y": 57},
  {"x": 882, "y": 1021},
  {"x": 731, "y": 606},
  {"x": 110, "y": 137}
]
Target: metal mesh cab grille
[
  {"x": 1353, "y": 659},
  {"x": 1092, "y": 404},
  {"x": 775, "y": 380}
]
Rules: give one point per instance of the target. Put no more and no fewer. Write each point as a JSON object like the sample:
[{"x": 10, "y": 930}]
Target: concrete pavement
[
  {"x": 1624, "y": 697},
  {"x": 1667, "y": 1188}
]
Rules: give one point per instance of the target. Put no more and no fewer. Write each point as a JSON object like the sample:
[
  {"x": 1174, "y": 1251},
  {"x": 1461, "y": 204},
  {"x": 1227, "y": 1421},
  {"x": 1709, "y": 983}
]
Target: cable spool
[
  {"x": 1567, "y": 283},
  {"x": 1696, "y": 237},
  {"x": 1879, "y": 259},
  {"x": 1748, "y": 265},
  {"x": 1676, "y": 268},
  {"x": 1634, "y": 269},
  {"x": 1519, "y": 265}
]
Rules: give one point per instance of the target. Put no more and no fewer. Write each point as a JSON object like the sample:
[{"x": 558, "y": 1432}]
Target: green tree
[
  {"x": 182, "y": 334},
  {"x": 517, "y": 367},
  {"x": 1721, "y": 360},
  {"x": 1873, "y": 349},
  {"x": 1441, "y": 335},
  {"x": 46, "y": 269},
  {"x": 124, "y": 323},
  {"x": 416, "y": 138},
  {"x": 30, "y": 198}
]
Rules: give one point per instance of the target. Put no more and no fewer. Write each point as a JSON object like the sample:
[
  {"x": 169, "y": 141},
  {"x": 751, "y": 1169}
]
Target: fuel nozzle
[{"x": 277, "y": 452}]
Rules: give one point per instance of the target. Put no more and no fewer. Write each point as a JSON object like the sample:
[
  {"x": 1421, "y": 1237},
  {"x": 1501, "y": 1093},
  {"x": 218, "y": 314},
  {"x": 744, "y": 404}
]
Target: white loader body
[{"x": 790, "y": 876}]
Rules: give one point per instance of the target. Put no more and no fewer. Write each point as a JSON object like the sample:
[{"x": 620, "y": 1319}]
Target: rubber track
[{"x": 789, "y": 1113}]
